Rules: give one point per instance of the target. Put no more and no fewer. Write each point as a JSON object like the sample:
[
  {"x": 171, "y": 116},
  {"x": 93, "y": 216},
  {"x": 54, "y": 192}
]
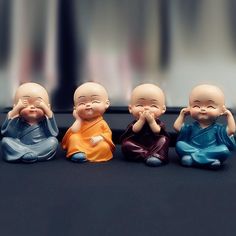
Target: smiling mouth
[{"x": 89, "y": 110}]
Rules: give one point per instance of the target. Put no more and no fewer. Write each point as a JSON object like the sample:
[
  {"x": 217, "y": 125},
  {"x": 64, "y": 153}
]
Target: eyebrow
[
  {"x": 26, "y": 96},
  {"x": 95, "y": 95},
  {"x": 141, "y": 99},
  {"x": 152, "y": 100},
  {"x": 209, "y": 101},
  {"x": 81, "y": 97}
]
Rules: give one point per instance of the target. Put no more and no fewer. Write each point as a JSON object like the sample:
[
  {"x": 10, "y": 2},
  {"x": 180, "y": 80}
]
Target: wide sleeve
[
  {"x": 51, "y": 126},
  {"x": 66, "y": 138},
  {"x": 224, "y": 138},
  {"x": 185, "y": 133},
  {"x": 128, "y": 132},
  {"x": 10, "y": 127},
  {"x": 163, "y": 129},
  {"x": 107, "y": 134}
]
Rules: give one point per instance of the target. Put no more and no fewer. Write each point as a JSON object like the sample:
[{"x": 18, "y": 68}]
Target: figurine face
[
  {"x": 31, "y": 111},
  {"x": 206, "y": 103},
  {"x": 147, "y": 97},
  {"x": 91, "y": 101},
  {"x": 30, "y": 96}
]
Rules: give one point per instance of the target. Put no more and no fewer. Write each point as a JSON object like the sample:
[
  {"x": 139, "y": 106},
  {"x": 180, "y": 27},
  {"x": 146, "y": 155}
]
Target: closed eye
[
  {"x": 96, "y": 101},
  {"x": 155, "y": 106},
  {"x": 211, "y": 107}
]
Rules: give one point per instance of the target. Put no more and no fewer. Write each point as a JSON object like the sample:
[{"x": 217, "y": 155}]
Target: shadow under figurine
[
  {"x": 30, "y": 128},
  {"x": 89, "y": 138},
  {"x": 145, "y": 139},
  {"x": 204, "y": 142}
]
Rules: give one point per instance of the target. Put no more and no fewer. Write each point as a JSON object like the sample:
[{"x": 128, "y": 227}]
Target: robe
[
  {"x": 205, "y": 145},
  {"x": 21, "y": 138},
  {"x": 80, "y": 141},
  {"x": 139, "y": 146}
]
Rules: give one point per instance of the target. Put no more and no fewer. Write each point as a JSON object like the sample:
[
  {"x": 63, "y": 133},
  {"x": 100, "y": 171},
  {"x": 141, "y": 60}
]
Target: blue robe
[
  {"x": 205, "y": 145},
  {"x": 20, "y": 138}
]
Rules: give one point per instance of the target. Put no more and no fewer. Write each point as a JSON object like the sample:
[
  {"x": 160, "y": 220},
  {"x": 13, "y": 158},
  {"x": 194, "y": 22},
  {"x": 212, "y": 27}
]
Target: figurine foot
[
  {"x": 187, "y": 160},
  {"x": 79, "y": 157},
  {"x": 29, "y": 157},
  {"x": 215, "y": 165},
  {"x": 153, "y": 161}
]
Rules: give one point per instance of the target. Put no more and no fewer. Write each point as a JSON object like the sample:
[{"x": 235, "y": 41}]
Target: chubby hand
[
  {"x": 142, "y": 116},
  {"x": 22, "y": 103},
  {"x": 149, "y": 116},
  {"x": 185, "y": 111},
  {"x": 75, "y": 115},
  {"x": 96, "y": 139},
  {"x": 226, "y": 112},
  {"x": 39, "y": 103}
]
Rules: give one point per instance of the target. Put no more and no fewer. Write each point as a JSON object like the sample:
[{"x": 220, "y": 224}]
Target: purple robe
[{"x": 139, "y": 146}]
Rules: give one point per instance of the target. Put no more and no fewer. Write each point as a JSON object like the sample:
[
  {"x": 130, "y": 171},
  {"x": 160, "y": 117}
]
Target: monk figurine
[
  {"x": 89, "y": 138},
  {"x": 30, "y": 128},
  {"x": 146, "y": 139},
  {"x": 205, "y": 142}
]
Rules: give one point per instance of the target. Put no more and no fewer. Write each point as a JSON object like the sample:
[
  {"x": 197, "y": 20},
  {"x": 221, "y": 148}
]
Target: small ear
[
  {"x": 49, "y": 105},
  {"x": 107, "y": 104},
  {"x": 223, "y": 109},
  {"x": 74, "y": 107},
  {"x": 163, "y": 109},
  {"x": 130, "y": 108}
]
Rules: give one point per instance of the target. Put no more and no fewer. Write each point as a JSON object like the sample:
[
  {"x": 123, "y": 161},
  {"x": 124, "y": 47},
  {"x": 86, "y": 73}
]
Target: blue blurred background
[{"x": 119, "y": 43}]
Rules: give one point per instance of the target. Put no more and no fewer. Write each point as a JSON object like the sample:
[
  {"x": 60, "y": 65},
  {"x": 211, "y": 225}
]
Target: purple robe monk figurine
[{"x": 145, "y": 139}]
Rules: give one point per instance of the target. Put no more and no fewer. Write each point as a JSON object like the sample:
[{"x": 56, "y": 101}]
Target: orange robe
[{"x": 80, "y": 141}]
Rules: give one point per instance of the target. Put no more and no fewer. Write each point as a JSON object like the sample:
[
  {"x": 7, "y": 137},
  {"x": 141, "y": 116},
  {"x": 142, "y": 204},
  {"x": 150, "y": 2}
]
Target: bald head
[
  {"x": 207, "y": 92},
  {"x": 147, "y": 91},
  {"x": 90, "y": 89},
  {"x": 33, "y": 90}
]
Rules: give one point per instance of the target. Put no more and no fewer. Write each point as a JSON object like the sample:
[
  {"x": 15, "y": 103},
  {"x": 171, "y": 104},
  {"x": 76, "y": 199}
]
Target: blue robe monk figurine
[
  {"x": 30, "y": 128},
  {"x": 205, "y": 142}
]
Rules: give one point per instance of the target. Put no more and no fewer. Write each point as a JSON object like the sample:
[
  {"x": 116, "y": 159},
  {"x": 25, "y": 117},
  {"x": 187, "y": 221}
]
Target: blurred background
[{"x": 119, "y": 43}]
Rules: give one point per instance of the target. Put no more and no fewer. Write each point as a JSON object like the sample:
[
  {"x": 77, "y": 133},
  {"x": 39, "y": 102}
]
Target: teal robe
[
  {"x": 205, "y": 145},
  {"x": 20, "y": 138}
]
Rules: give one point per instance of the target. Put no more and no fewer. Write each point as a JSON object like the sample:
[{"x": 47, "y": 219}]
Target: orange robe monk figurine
[{"x": 89, "y": 138}]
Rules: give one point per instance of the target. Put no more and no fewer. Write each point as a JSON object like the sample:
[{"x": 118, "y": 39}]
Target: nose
[
  {"x": 203, "y": 108},
  {"x": 146, "y": 107},
  {"x": 32, "y": 106},
  {"x": 88, "y": 104}
]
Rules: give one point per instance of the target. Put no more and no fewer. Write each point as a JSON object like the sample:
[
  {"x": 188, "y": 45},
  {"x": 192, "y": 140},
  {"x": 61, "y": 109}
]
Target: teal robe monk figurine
[
  {"x": 205, "y": 142},
  {"x": 30, "y": 128}
]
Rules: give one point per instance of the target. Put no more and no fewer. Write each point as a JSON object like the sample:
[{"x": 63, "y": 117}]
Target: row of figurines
[{"x": 30, "y": 130}]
